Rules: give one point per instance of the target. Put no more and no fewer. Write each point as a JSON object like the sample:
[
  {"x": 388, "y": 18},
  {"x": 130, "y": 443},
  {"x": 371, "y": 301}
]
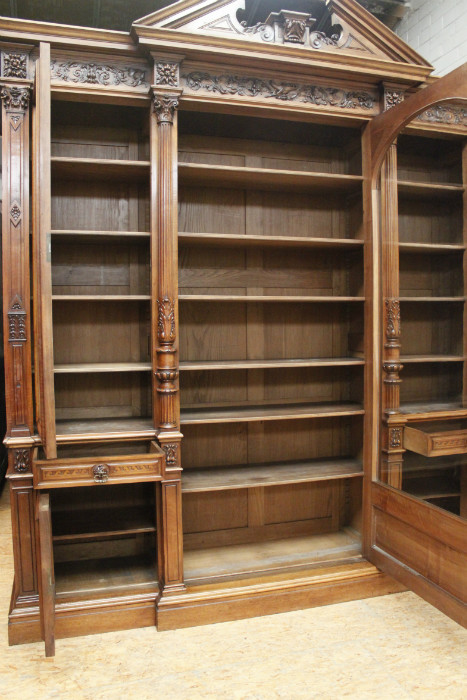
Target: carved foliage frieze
[
  {"x": 164, "y": 107},
  {"x": 166, "y": 73},
  {"x": 445, "y": 114},
  {"x": 21, "y": 460},
  {"x": 14, "y": 65},
  {"x": 17, "y": 321},
  {"x": 246, "y": 86},
  {"x": 15, "y": 98},
  {"x": 97, "y": 74}
]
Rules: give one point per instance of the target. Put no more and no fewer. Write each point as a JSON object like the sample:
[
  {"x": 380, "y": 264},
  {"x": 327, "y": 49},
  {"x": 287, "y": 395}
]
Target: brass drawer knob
[{"x": 101, "y": 473}]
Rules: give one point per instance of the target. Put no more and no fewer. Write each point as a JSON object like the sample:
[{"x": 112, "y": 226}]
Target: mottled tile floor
[{"x": 394, "y": 646}]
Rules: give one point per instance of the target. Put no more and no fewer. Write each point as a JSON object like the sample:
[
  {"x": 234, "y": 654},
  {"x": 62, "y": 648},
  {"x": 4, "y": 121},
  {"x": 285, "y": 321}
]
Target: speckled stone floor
[{"x": 394, "y": 646}]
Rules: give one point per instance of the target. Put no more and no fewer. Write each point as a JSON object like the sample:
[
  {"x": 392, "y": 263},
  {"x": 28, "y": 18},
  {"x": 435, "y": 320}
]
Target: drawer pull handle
[{"x": 101, "y": 473}]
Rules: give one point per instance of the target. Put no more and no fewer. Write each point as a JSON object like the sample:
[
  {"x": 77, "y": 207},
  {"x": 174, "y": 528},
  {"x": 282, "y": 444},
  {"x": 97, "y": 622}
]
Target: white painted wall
[{"x": 437, "y": 30}]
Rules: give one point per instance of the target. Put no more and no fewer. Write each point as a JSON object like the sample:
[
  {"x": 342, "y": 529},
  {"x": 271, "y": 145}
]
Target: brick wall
[{"x": 437, "y": 30}]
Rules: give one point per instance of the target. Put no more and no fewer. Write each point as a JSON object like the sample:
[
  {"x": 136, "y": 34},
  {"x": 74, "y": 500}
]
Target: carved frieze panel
[
  {"x": 445, "y": 114},
  {"x": 257, "y": 88},
  {"x": 98, "y": 73}
]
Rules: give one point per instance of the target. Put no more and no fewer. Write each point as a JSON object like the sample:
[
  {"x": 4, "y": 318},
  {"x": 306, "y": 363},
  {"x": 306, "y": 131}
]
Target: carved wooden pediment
[{"x": 325, "y": 26}]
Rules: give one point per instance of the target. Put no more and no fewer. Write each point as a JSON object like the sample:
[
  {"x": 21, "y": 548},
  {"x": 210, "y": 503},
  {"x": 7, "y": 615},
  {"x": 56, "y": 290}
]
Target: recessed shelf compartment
[
  {"x": 270, "y": 474},
  {"x": 430, "y": 219},
  {"x": 434, "y": 439},
  {"x": 429, "y": 160}
]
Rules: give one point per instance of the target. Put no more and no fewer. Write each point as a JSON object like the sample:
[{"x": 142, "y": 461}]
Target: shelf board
[
  {"x": 91, "y": 235},
  {"x": 229, "y": 240},
  {"x": 100, "y": 297},
  {"x": 86, "y": 368},
  {"x": 428, "y": 189},
  {"x": 414, "y": 359},
  {"x": 433, "y": 299},
  {"x": 270, "y": 474},
  {"x": 270, "y": 364},
  {"x": 431, "y": 248},
  {"x": 262, "y": 178},
  {"x": 431, "y": 410},
  {"x": 432, "y": 488},
  {"x": 105, "y": 429},
  {"x": 240, "y": 414},
  {"x": 74, "y": 526},
  {"x": 265, "y": 298},
  {"x": 79, "y": 168},
  {"x": 289, "y": 554},
  {"x": 108, "y": 575}
]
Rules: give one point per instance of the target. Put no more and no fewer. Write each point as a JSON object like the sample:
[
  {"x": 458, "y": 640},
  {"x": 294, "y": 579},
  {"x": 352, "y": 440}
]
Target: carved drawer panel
[
  {"x": 437, "y": 438},
  {"x": 90, "y": 470}
]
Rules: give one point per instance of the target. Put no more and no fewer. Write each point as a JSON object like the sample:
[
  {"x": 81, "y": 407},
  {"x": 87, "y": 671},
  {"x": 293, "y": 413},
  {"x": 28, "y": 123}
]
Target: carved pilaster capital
[
  {"x": 165, "y": 104},
  {"x": 15, "y": 98}
]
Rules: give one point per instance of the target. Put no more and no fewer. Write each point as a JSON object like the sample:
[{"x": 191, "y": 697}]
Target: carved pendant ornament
[
  {"x": 97, "y": 74},
  {"x": 17, "y": 322},
  {"x": 246, "y": 86},
  {"x": 395, "y": 437},
  {"x": 171, "y": 454},
  {"x": 16, "y": 98},
  {"x": 21, "y": 461}
]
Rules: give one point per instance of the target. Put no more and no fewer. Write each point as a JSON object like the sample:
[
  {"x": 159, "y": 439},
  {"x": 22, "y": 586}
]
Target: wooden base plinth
[
  {"x": 201, "y": 605},
  {"x": 85, "y": 617},
  {"x": 236, "y": 600}
]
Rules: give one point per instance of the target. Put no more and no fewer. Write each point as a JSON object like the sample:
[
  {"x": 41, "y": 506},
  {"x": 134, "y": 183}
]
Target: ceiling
[{"x": 120, "y": 14}]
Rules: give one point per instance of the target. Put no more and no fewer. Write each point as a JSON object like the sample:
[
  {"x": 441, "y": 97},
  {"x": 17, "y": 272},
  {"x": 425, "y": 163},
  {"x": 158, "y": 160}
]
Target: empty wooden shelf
[{"x": 234, "y": 304}]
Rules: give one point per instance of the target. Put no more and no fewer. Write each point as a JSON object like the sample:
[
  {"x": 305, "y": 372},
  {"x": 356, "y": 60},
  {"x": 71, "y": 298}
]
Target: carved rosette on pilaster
[{"x": 15, "y": 99}]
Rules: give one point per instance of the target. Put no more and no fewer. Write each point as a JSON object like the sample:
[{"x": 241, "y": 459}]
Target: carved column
[
  {"x": 15, "y": 92},
  {"x": 393, "y": 423},
  {"x": 164, "y": 156}
]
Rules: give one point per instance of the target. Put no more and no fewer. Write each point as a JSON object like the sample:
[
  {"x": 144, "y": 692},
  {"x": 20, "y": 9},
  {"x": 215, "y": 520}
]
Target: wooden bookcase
[{"x": 202, "y": 328}]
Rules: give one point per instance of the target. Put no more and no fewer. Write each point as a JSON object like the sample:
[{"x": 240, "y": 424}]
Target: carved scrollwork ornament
[
  {"x": 15, "y": 98},
  {"x": 22, "y": 460},
  {"x": 164, "y": 108}
]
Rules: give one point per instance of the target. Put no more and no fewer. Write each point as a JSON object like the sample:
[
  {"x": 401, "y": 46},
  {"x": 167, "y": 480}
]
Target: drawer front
[
  {"x": 434, "y": 443},
  {"x": 97, "y": 470}
]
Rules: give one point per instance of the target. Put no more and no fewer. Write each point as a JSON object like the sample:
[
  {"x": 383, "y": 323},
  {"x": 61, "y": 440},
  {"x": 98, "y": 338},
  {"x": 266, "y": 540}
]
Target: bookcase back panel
[
  {"x": 101, "y": 331},
  {"x": 272, "y": 441},
  {"x": 99, "y": 268},
  {"x": 84, "y": 130},
  {"x": 426, "y": 220},
  {"x": 107, "y": 206},
  {"x": 266, "y": 213},
  {"x": 431, "y": 275},
  {"x": 259, "y": 386},
  {"x": 431, "y": 328},
  {"x": 422, "y": 159},
  {"x": 240, "y": 331},
  {"x": 81, "y": 396},
  {"x": 289, "y": 272}
]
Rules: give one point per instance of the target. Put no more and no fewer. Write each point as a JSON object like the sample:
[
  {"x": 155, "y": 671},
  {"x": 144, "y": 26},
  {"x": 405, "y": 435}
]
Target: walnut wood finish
[{"x": 256, "y": 193}]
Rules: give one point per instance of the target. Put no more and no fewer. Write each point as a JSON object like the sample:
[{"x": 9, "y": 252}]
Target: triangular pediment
[{"x": 311, "y": 26}]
